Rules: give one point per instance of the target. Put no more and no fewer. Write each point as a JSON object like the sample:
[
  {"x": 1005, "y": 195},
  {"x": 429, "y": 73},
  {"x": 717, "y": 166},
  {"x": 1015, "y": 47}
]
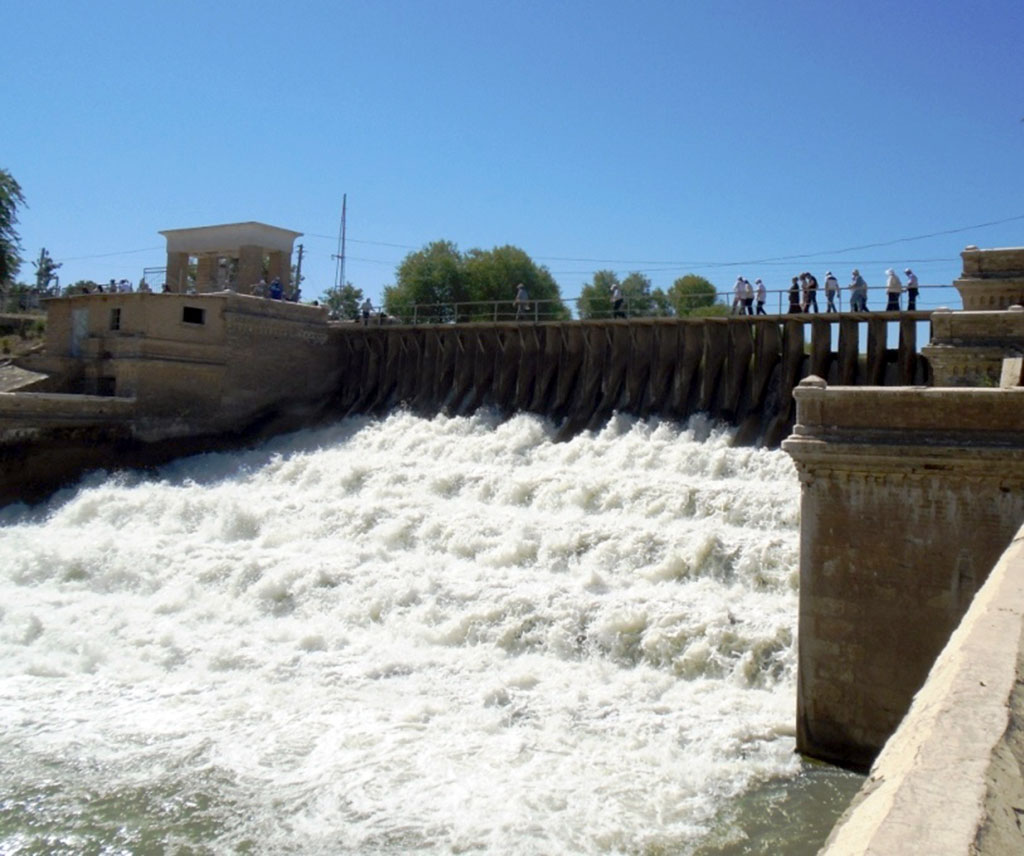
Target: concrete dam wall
[{"x": 740, "y": 369}]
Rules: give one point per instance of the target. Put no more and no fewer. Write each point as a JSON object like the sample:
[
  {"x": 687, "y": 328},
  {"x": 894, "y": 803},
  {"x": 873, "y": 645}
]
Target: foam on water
[{"x": 443, "y": 635}]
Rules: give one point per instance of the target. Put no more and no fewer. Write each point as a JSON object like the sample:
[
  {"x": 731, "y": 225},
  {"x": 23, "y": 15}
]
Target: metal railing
[{"x": 929, "y": 297}]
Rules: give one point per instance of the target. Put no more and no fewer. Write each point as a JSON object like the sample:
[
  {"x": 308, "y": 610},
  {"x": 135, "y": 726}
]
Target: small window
[
  {"x": 115, "y": 319},
  {"x": 193, "y": 315}
]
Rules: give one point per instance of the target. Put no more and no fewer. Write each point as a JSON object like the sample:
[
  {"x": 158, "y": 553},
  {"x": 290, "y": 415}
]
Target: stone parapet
[
  {"x": 992, "y": 279},
  {"x": 968, "y": 348},
  {"x": 951, "y": 779},
  {"x": 909, "y": 495}
]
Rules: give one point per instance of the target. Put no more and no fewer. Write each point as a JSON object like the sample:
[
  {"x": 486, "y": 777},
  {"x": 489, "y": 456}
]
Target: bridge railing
[{"x": 930, "y": 297}]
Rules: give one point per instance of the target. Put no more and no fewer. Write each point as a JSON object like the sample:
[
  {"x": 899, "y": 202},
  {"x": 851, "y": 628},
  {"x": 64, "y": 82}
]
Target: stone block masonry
[{"x": 909, "y": 497}]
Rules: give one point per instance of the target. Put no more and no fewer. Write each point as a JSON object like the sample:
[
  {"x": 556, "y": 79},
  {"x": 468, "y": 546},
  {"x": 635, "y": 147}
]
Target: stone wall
[
  {"x": 951, "y": 779},
  {"x": 991, "y": 279},
  {"x": 968, "y": 348},
  {"x": 908, "y": 498}
]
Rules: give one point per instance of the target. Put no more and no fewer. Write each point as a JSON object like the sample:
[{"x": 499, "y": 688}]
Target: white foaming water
[{"x": 438, "y": 635}]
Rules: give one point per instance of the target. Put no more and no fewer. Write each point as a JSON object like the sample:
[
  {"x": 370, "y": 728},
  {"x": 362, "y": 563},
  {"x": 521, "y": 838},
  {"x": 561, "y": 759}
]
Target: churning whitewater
[{"x": 436, "y": 635}]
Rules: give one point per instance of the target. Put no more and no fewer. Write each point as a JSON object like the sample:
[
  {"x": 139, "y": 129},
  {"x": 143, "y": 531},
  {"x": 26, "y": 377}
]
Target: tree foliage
[
  {"x": 46, "y": 271},
  {"x": 82, "y": 286},
  {"x": 444, "y": 284},
  {"x": 343, "y": 301},
  {"x": 596, "y": 296},
  {"x": 692, "y": 295},
  {"x": 638, "y": 299},
  {"x": 10, "y": 243}
]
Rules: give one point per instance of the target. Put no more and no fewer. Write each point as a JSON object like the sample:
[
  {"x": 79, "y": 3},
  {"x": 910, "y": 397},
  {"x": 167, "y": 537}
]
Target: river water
[{"x": 412, "y": 635}]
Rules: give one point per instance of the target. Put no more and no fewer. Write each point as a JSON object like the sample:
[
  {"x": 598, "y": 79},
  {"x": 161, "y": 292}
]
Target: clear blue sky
[{"x": 667, "y": 137}]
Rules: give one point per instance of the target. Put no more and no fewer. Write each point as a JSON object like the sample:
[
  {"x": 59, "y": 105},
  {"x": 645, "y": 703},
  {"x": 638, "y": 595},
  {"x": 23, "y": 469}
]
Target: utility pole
[
  {"x": 339, "y": 270},
  {"x": 298, "y": 274}
]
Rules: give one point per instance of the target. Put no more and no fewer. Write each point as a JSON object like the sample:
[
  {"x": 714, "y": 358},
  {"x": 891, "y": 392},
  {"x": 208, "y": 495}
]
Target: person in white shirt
[
  {"x": 366, "y": 309},
  {"x": 762, "y": 295},
  {"x": 617, "y": 302},
  {"x": 737, "y": 296},
  {"x": 831, "y": 290},
  {"x": 893, "y": 290},
  {"x": 911, "y": 289},
  {"x": 748, "y": 297},
  {"x": 521, "y": 302}
]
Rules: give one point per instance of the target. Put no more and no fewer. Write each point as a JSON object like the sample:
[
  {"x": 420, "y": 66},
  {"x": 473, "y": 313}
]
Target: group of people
[
  {"x": 803, "y": 293},
  {"x": 744, "y": 295},
  {"x": 276, "y": 291},
  {"x": 123, "y": 286}
]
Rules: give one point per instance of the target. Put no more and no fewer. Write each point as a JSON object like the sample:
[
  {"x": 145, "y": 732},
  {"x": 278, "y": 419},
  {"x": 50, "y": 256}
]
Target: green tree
[
  {"x": 492, "y": 277},
  {"x": 46, "y": 271},
  {"x": 10, "y": 243},
  {"x": 691, "y": 294},
  {"x": 440, "y": 284},
  {"x": 596, "y": 296},
  {"x": 342, "y": 301},
  {"x": 82, "y": 286},
  {"x": 661, "y": 305},
  {"x": 429, "y": 284},
  {"x": 636, "y": 293}
]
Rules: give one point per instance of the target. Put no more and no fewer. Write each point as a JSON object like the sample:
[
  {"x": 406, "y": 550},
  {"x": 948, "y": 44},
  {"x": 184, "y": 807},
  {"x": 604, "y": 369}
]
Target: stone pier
[{"x": 909, "y": 496}]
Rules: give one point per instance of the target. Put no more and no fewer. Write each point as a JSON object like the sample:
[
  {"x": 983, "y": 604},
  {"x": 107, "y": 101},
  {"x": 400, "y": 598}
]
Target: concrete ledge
[
  {"x": 42, "y": 408},
  {"x": 951, "y": 779},
  {"x": 940, "y": 412}
]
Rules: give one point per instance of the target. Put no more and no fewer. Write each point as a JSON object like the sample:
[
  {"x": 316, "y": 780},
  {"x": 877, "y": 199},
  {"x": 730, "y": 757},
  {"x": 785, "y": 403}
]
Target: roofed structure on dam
[{"x": 234, "y": 256}]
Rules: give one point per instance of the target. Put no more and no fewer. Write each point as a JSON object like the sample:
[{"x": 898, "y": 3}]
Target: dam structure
[
  {"x": 739, "y": 369},
  {"x": 132, "y": 379},
  {"x": 910, "y": 459}
]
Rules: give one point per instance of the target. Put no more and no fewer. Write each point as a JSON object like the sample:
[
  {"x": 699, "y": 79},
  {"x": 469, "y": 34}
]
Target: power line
[
  {"x": 108, "y": 255},
  {"x": 663, "y": 265},
  {"x": 675, "y": 263}
]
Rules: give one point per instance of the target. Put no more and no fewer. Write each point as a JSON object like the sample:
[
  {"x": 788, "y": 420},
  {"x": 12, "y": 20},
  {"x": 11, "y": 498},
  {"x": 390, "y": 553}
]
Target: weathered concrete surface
[
  {"x": 909, "y": 495},
  {"x": 968, "y": 348},
  {"x": 737, "y": 369},
  {"x": 132, "y": 380},
  {"x": 950, "y": 781},
  {"x": 991, "y": 279}
]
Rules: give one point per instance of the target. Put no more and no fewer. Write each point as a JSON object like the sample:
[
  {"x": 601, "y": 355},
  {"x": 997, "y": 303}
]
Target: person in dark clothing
[
  {"x": 912, "y": 287},
  {"x": 812, "y": 292},
  {"x": 794, "y": 297}
]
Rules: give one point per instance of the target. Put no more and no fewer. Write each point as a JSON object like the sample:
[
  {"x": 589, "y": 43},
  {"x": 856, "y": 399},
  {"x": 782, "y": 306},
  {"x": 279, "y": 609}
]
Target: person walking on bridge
[
  {"x": 794, "y": 297},
  {"x": 522, "y": 301},
  {"x": 831, "y": 290},
  {"x": 893, "y": 290},
  {"x": 858, "y": 292},
  {"x": 911, "y": 290},
  {"x": 762, "y": 296},
  {"x": 748, "y": 297},
  {"x": 617, "y": 302},
  {"x": 812, "y": 291},
  {"x": 737, "y": 296}
]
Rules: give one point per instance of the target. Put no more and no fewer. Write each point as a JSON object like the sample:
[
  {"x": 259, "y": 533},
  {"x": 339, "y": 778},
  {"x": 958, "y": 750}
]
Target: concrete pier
[{"x": 908, "y": 498}]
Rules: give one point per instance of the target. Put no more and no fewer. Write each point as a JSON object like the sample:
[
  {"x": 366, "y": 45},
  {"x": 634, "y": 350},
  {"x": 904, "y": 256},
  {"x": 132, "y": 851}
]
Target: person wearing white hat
[
  {"x": 831, "y": 290},
  {"x": 762, "y": 295},
  {"x": 748, "y": 297},
  {"x": 737, "y": 296},
  {"x": 893, "y": 290},
  {"x": 911, "y": 289},
  {"x": 858, "y": 292}
]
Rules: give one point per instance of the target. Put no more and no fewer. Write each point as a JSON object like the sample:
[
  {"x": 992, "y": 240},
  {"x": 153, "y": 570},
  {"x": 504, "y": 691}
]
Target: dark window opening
[
  {"x": 193, "y": 315},
  {"x": 115, "y": 319}
]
